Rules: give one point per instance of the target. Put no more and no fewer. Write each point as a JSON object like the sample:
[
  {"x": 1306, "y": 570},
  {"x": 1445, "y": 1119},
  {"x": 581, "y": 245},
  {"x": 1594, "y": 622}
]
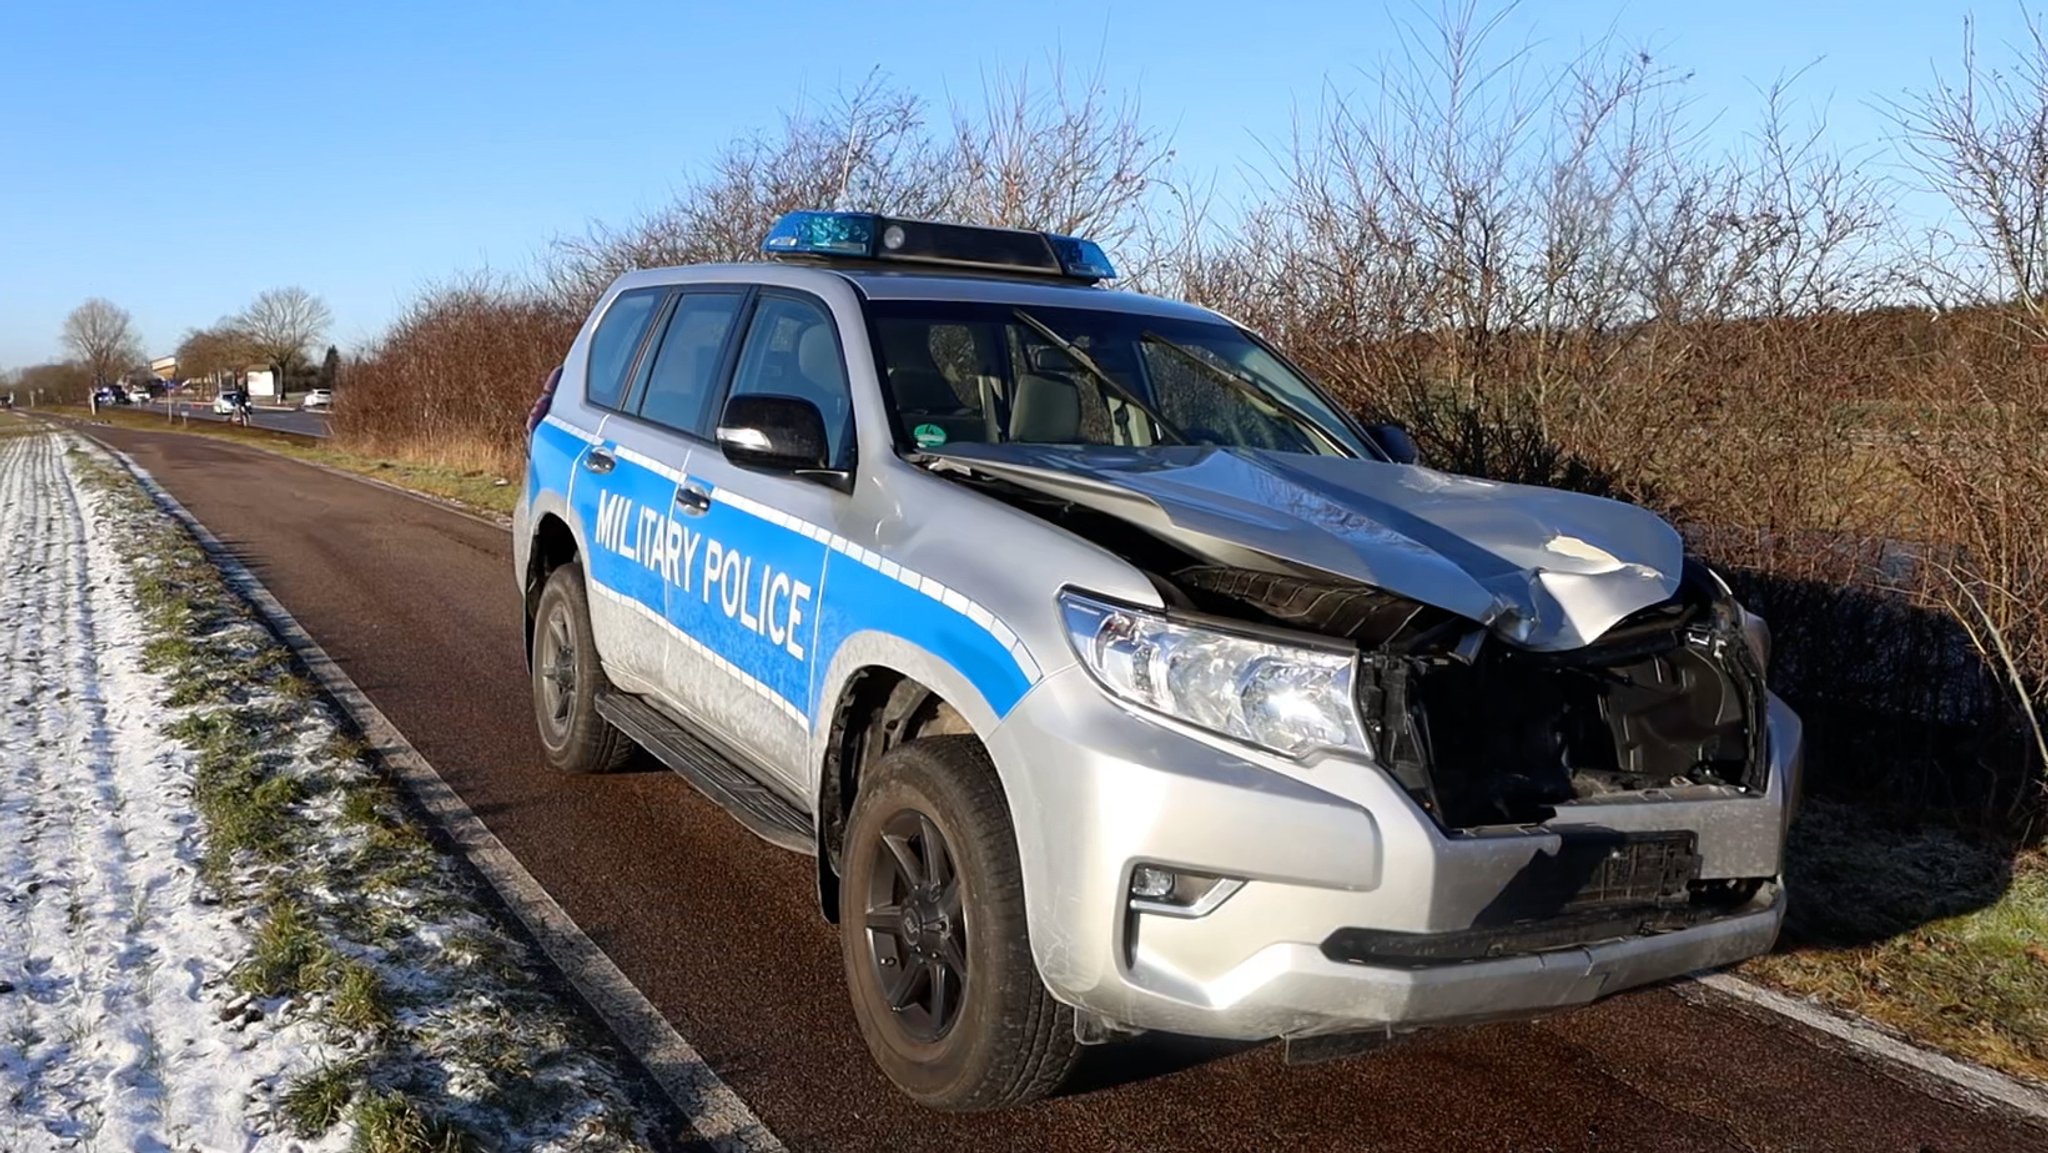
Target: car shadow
[
  {"x": 1918, "y": 778},
  {"x": 1144, "y": 1058}
]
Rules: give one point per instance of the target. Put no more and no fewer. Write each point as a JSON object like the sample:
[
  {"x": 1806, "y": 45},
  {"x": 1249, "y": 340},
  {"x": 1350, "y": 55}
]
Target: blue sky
[{"x": 178, "y": 159}]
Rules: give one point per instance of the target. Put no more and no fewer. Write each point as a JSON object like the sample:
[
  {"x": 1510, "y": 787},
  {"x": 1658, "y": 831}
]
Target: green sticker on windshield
[{"x": 928, "y": 435}]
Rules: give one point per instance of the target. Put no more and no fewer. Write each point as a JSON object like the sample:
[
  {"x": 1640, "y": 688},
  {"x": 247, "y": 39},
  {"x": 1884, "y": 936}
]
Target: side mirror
[
  {"x": 777, "y": 433},
  {"x": 1394, "y": 440}
]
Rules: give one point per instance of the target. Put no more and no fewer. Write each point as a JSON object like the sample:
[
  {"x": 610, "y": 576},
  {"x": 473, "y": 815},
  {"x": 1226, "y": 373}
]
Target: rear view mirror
[
  {"x": 1394, "y": 440},
  {"x": 777, "y": 433}
]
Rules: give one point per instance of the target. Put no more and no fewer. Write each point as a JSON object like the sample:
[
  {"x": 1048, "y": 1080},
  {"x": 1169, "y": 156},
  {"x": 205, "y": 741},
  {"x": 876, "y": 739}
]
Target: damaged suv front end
[{"x": 1385, "y": 748}]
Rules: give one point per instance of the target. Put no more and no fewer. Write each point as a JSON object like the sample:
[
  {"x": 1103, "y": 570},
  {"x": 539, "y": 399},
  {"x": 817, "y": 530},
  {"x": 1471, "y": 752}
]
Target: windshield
[{"x": 995, "y": 373}]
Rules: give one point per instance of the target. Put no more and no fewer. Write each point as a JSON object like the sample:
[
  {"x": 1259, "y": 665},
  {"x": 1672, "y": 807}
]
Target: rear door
[
  {"x": 661, "y": 433},
  {"x": 748, "y": 618},
  {"x": 607, "y": 495}
]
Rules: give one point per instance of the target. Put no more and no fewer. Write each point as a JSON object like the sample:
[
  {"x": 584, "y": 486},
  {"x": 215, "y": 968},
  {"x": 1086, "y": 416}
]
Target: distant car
[
  {"x": 230, "y": 402},
  {"x": 108, "y": 394},
  {"x": 318, "y": 398},
  {"x": 139, "y": 394}
]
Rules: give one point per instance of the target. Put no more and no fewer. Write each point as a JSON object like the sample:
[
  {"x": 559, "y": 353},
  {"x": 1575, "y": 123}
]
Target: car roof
[{"x": 885, "y": 283}]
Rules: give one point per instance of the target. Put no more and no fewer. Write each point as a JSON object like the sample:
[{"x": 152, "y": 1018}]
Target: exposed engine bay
[
  {"x": 1483, "y": 733},
  {"x": 1480, "y": 730}
]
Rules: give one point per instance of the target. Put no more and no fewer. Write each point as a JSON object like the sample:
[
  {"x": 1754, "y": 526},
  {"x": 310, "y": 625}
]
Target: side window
[
  {"x": 792, "y": 349},
  {"x": 616, "y": 340},
  {"x": 683, "y": 382}
]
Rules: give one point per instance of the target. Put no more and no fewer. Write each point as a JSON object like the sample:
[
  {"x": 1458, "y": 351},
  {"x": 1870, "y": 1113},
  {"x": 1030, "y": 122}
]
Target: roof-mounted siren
[{"x": 869, "y": 236}]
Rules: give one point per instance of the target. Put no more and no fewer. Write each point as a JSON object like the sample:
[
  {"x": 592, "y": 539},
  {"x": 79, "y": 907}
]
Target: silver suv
[{"x": 1119, "y": 680}]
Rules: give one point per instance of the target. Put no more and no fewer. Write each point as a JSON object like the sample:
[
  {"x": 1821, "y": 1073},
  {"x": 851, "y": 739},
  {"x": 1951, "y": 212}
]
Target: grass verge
[
  {"x": 477, "y": 489},
  {"x": 1937, "y": 937},
  {"x": 439, "y": 1030}
]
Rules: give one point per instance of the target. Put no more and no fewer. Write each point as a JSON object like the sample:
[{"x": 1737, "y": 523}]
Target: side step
[{"x": 760, "y": 809}]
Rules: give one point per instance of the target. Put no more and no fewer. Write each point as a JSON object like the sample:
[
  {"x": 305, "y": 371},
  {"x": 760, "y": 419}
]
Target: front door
[{"x": 758, "y": 582}]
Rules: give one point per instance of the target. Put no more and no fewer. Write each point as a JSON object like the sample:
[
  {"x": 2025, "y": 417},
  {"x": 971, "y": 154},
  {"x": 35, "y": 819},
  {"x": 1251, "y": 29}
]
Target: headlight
[{"x": 1291, "y": 699}]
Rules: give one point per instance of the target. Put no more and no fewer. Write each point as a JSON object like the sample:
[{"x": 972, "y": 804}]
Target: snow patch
[
  {"x": 115, "y": 963},
  {"x": 121, "y": 1022}
]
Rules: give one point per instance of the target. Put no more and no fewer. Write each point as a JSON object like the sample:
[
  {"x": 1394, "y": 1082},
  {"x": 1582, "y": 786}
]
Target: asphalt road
[
  {"x": 720, "y": 931},
  {"x": 283, "y": 420}
]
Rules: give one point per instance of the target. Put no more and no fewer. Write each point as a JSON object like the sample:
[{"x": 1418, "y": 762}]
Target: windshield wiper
[
  {"x": 1095, "y": 370},
  {"x": 1259, "y": 397}
]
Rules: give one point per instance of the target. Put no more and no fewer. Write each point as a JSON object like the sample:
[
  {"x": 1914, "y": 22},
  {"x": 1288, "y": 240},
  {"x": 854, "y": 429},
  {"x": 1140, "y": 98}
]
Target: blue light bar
[
  {"x": 822, "y": 234},
  {"x": 1081, "y": 257},
  {"x": 870, "y": 236}
]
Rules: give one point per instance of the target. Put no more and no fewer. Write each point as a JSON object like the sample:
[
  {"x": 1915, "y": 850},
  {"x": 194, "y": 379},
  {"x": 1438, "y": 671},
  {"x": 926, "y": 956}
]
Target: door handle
[
  {"x": 694, "y": 501},
  {"x": 600, "y": 461}
]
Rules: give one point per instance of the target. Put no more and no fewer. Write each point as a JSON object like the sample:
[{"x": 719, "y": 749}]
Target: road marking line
[
  {"x": 717, "y": 1114},
  {"x": 1974, "y": 1080}
]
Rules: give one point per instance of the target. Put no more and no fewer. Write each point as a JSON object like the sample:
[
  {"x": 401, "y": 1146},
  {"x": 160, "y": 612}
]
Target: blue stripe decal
[
  {"x": 861, "y": 598},
  {"x": 752, "y": 593},
  {"x": 767, "y": 596},
  {"x": 552, "y": 453}
]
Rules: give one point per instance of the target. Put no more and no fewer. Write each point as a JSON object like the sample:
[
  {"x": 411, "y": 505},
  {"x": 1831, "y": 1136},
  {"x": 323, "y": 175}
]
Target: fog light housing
[
  {"x": 1152, "y": 883},
  {"x": 1178, "y": 893}
]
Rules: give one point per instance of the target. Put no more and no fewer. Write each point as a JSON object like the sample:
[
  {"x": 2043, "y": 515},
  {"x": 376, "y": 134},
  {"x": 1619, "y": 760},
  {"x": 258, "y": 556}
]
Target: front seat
[
  {"x": 823, "y": 377},
  {"x": 1047, "y": 410},
  {"x": 914, "y": 377}
]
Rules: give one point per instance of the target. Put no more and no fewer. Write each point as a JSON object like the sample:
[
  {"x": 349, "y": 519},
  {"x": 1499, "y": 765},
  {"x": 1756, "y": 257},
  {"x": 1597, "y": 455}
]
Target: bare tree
[
  {"x": 867, "y": 149},
  {"x": 216, "y": 352},
  {"x": 102, "y": 335},
  {"x": 62, "y": 382},
  {"x": 280, "y": 323},
  {"x": 1062, "y": 156},
  {"x": 1981, "y": 142}
]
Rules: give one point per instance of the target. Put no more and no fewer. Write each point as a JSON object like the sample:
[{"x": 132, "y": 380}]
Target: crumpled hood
[{"x": 1543, "y": 568}]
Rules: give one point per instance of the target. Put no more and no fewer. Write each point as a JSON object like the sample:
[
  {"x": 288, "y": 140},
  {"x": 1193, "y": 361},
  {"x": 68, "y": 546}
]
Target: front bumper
[{"x": 1323, "y": 849}]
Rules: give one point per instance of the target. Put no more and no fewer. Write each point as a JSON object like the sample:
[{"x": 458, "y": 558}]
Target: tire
[
  {"x": 566, "y": 680},
  {"x": 1002, "y": 1041}
]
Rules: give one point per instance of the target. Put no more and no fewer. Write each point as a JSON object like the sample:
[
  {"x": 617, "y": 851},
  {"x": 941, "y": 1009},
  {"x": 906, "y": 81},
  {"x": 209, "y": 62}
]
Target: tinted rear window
[
  {"x": 684, "y": 379},
  {"x": 617, "y": 339}
]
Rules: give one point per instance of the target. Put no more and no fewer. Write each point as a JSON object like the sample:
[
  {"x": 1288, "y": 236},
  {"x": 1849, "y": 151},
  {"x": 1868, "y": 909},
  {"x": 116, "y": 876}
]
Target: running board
[{"x": 763, "y": 811}]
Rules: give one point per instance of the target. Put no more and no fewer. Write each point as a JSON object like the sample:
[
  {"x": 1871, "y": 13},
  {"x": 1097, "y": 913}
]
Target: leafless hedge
[
  {"x": 452, "y": 380},
  {"x": 1548, "y": 275}
]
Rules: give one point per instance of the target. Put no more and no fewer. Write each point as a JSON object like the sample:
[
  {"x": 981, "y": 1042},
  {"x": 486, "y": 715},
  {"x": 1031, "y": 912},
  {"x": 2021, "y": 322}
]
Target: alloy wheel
[
  {"x": 556, "y": 663},
  {"x": 916, "y": 933}
]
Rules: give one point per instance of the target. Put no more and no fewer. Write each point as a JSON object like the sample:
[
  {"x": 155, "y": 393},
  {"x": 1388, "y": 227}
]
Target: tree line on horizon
[{"x": 276, "y": 331}]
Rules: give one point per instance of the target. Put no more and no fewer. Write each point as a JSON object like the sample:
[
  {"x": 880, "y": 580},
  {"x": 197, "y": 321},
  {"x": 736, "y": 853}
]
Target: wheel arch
[
  {"x": 552, "y": 545},
  {"x": 882, "y": 692}
]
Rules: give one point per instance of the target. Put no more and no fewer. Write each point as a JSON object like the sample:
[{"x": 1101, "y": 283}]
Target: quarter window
[
  {"x": 684, "y": 379},
  {"x": 617, "y": 339}
]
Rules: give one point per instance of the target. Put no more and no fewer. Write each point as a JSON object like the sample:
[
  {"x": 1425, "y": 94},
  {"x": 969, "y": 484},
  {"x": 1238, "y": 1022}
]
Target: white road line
[
  {"x": 1976, "y": 1081},
  {"x": 717, "y": 1114}
]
